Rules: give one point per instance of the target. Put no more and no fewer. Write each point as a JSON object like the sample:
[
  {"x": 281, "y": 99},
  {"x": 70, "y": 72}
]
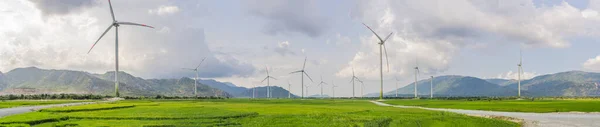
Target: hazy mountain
[
  {"x": 454, "y": 86},
  {"x": 226, "y": 86},
  {"x": 33, "y": 80},
  {"x": 319, "y": 96},
  {"x": 261, "y": 92},
  {"x": 501, "y": 82},
  {"x": 571, "y": 83}
]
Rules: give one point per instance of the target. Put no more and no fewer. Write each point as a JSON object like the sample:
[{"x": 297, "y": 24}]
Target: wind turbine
[
  {"x": 397, "y": 80},
  {"x": 302, "y": 73},
  {"x": 416, "y": 80},
  {"x": 352, "y": 80},
  {"x": 362, "y": 86},
  {"x": 289, "y": 90},
  {"x": 196, "y": 79},
  {"x": 431, "y": 89},
  {"x": 307, "y": 86},
  {"x": 333, "y": 89},
  {"x": 253, "y": 90},
  {"x": 520, "y": 70},
  {"x": 381, "y": 45},
  {"x": 268, "y": 82},
  {"x": 116, "y": 24},
  {"x": 321, "y": 84}
]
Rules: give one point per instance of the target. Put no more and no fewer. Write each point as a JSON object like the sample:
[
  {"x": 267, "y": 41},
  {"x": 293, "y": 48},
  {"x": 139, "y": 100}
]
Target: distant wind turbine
[
  {"x": 289, "y": 90},
  {"x": 253, "y": 90},
  {"x": 196, "y": 79},
  {"x": 333, "y": 89},
  {"x": 116, "y": 24},
  {"x": 307, "y": 86},
  {"x": 431, "y": 89},
  {"x": 321, "y": 84},
  {"x": 520, "y": 70},
  {"x": 268, "y": 82},
  {"x": 381, "y": 45},
  {"x": 352, "y": 80},
  {"x": 362, "y": 86},
  {"x": 416, "y": 78},
  {"x": 397, "y": 80},
  {"x": 302, "y": 73}
]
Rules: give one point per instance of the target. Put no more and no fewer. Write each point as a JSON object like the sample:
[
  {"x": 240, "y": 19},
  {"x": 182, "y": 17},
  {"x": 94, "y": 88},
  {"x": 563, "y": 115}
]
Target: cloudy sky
[{"x": 239, "y": 38}]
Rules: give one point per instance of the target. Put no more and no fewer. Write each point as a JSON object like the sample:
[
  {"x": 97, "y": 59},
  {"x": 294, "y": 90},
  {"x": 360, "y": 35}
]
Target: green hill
[
  {"x": 454, "y": 86},
  {"x": 571, "y": 83},
  {"x": 33, "y": 80}
]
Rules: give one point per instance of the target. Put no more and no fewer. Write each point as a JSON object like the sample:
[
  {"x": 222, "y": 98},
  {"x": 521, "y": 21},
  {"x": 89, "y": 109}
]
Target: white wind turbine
[
  {"x": 321, "y": 84},
  {"x": 268, "y": 82},
  {"x": 306, "y": 87},
  {"x": 520, "y": 70},
  {"x": 289, "y": 90},
  {"x": 416, "y": 78},
  {"x": 196, "y": 79},
  {"x": 253, "y": 90},
  {"x": 116, "y": 24},
  {"x": 302, "y": 73},
  {"x": 362, "y": 87},
  {"x": 431, "y": 88},
  {"x": 397, "y": 80},
  {"x": 333, "y": 89},
  {"x": 352, "y": 80},
  {"x": 381, "y": 45}
]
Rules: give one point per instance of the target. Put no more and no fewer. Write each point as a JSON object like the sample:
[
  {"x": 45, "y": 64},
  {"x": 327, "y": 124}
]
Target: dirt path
[{"x": 566, "y": 119}]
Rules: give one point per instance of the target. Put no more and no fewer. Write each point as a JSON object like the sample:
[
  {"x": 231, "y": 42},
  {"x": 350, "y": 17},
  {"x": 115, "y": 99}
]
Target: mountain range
[
  {"x": 32, "y": 80},
  {"x": 570, "y": 83}
]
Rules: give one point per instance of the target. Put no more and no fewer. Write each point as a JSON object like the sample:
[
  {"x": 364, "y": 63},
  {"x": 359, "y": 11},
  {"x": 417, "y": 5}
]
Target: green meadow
[
  {"x": 245, "y": 112},
  {"x": 17, "y": 103},
  {"x": 539, "y": 106}
]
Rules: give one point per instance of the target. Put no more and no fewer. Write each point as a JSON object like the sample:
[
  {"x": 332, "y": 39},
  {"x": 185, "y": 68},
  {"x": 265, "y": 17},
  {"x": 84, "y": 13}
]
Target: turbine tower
[
  {"x": 307, "y": 86},
  {"x": 302, "y": 73},
  {"x": 116, "y": 24},
  {"x": 416, "y": 79},
  {"x": 333, "y": 89},
  {"x": 397, "y": 80},
  {"x": 520, "y": 70},
  {"x": 362, "y": 86},
  {"x": 268, "y": 82},
  {"x": 352, "y": 80},
  {"x": 321, "y": 84},
  {"x": 289, "y": 90},
  {"x": 381, "y": 45},
  {"x": 253, "y": 90},
  {"x": 196, "y": 79},
  {"x": 431, "y": 89}
]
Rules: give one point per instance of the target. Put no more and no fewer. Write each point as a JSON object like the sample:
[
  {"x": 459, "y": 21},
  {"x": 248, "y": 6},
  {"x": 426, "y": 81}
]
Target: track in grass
[
  {"x": 538, "y": 106},
  {"x": 245, "y": 112}
]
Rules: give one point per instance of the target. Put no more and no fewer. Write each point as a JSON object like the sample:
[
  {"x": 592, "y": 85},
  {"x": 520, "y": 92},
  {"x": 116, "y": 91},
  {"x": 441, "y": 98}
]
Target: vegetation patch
[{"x": 538, "y": 106}]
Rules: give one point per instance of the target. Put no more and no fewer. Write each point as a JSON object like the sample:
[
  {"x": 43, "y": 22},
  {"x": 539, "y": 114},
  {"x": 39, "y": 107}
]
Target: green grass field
[
  {"x": 540, "y": 106},
  {"x": 245, "y": 112},
  {"x": 17, "y": 103}
]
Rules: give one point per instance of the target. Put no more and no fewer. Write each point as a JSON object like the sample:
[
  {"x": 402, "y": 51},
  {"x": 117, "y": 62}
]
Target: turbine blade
[
  {"x": 111, "y": 11},
  {"x": 200, "y": 63},
  {"x": 295, "y": 72},
  {"x": 264, "y": 79},
  {"x": 352, "y": 79},
  {"x": 267, "y": 69},
  {"x": 388, "y": 37},
  {"x": 134, "y": 24},
  {"x": 386, "y": 58},
  {"x": 272, "y": 77},
  {"x": 373, "y": 32},
  {"x": 520, "y": 57},
  {"x": 304, "y": 65},
  {"x": 100, "y": 37},
  {"x": 311, "y": 80}
]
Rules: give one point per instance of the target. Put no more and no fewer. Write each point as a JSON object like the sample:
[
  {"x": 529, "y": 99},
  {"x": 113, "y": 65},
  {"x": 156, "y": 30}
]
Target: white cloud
[
  {"x": 164, "y": 10},
  {"x": 283, "y": 48},
  {"x": 434, "y": 31},
  {"x": 592, "y": 64},
  {"x": 62, "y": 42},
  {"x": 515, "y": 75}
]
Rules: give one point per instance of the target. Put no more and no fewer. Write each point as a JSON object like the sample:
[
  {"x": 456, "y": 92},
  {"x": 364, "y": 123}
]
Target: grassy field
[
  {"x": 245, "y": 112},
  {"x": 17, "y": 103},
  {"x": 540, "y": 106}
]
